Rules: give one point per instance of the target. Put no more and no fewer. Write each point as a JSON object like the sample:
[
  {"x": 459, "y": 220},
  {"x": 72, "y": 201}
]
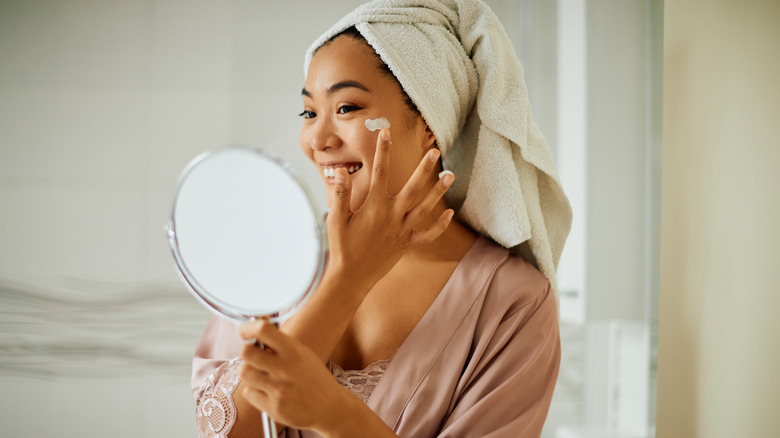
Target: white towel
[{"x": 455, "y": 61}]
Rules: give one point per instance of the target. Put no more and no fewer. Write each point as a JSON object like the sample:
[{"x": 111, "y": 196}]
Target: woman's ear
[{"x": 429, "y": 140}]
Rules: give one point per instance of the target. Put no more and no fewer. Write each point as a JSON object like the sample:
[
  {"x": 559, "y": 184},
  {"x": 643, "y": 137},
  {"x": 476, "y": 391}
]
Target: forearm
[
  {"x": 248, "y": 419},
  {"x": 354, "y": 419},
  {"x": 322, "y": 322}
]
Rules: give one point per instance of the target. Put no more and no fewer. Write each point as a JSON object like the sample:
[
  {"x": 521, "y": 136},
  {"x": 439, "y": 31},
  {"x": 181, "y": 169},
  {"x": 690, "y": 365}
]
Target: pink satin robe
[{"x": 482, "y": 362}]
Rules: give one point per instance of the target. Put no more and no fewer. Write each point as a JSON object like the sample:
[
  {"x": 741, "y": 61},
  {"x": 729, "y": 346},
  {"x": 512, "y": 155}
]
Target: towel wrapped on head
[{"x": 455, "y": 61}]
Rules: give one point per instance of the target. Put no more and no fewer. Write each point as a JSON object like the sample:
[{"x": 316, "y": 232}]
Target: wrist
[
  {"x": 324, "y": 319},
  {"x": 346, "y": 283}
]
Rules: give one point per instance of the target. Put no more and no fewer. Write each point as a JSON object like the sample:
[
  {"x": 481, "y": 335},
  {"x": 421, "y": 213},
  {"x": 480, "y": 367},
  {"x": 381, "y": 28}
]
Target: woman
[{"x": 443, "y": 331}]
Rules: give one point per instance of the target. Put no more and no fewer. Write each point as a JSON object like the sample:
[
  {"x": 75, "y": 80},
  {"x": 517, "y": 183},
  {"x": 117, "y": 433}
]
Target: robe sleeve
[
  {"x": 508, "y": 390},
  {"x": 219, "y": 344}
]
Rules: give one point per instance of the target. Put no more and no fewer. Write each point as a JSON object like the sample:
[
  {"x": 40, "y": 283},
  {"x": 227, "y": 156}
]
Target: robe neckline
[{"x": 424, "y": 345}]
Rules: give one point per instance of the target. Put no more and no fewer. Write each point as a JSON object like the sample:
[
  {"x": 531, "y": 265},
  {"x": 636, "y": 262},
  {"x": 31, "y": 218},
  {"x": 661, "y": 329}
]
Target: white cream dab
[
  {"x": 445, "y": 172},
  {"x": 375, "y": 124}
]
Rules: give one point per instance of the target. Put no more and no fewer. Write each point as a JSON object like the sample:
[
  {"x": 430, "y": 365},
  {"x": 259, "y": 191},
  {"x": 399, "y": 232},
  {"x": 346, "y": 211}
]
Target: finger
[
  {"x": 412, "y": 190},
  {"x": 434, "y": 231},
  {"x": 421, "y": 210},
  {"x": 266, "y": 333},
  {"x": 260, "y": 358},
  {"x": 257, "y": 398},
  {"x": 248, "y": 330},
  {"x": 256, "y": 378},
  {"x": 381, "y": 164}
]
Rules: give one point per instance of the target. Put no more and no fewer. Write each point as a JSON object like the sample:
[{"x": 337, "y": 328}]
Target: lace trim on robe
[
  {"x": 360, "y": 382},
  {"x": 215, "y": 412}
]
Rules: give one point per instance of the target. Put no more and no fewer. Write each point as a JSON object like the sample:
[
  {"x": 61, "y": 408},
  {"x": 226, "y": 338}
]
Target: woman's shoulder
[{"x": 515, "y": 281}]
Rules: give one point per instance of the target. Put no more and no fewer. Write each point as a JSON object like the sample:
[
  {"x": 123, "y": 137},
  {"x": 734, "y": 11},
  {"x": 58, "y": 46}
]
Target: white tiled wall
[{"x": 102, "y": 103}]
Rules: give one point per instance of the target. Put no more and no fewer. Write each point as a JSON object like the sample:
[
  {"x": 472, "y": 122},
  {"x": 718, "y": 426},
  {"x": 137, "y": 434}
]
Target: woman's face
[{"x": 344, "y": 87}]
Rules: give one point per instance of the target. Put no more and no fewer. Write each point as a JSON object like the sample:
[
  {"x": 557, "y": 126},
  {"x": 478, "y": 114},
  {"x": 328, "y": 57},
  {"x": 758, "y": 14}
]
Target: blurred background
[{"x": 103, "y": 102}]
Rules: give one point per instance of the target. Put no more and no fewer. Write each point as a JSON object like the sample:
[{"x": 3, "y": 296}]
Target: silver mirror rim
[{"x": 203, "y": 295}]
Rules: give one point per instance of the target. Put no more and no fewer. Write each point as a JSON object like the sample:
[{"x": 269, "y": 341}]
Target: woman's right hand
[{"x": 366, "y": 244}]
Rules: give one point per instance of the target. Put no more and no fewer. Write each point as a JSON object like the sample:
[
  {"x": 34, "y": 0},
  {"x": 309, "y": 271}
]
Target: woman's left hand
[{"x": 288, "y": 381}]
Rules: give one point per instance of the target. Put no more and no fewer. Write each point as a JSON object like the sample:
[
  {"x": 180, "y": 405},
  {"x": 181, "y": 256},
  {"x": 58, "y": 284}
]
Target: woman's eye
[
  {"x": 344, "y": 109},
  {"x": 308, "y": 114}
]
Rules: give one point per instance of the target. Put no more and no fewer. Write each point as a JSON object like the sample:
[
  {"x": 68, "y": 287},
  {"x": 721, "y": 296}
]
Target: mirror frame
[{"x": 202, "y": 294}]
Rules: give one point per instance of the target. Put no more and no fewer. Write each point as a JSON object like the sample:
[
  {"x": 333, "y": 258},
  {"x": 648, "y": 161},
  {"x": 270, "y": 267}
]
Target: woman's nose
[{"x": 324, "y": 135}]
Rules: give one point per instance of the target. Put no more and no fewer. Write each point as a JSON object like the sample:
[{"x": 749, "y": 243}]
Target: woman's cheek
[
  {"x": 360, "y": 135},
  {"x": 304, "y": 141}
]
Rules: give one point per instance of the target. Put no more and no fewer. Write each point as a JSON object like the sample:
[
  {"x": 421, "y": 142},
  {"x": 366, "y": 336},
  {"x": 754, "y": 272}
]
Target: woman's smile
[
  {"x": 345, "y": 86},
  {"x": 329, "y": 169}
]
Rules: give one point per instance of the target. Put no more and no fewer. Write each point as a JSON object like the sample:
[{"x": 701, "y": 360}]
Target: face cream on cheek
[{"x": 376, "y": 124}]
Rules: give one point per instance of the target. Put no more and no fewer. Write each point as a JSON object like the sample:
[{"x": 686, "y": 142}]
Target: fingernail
[
  {"x": 446, "y": 177},
  {"x": 434, "y": 155},
  {"x": 385, "y": 134},
  {"x": 340, "y": 178}
]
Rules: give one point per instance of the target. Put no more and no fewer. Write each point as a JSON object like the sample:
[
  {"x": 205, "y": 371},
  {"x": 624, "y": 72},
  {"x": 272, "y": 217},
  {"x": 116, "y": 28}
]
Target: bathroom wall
[
  {"x": 719, "y": 340},
  {"x": 102, "y": 103}
]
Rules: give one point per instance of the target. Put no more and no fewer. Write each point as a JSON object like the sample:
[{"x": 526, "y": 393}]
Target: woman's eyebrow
[{"x": 338, "y": 86}]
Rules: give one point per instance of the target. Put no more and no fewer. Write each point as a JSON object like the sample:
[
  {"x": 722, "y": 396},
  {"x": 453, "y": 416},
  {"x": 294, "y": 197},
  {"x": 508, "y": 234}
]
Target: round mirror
[{"x": 245, "y": 234}]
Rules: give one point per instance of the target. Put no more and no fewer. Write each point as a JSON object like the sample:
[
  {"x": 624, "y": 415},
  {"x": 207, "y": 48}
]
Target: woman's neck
[{"x": 452, "y": 245}]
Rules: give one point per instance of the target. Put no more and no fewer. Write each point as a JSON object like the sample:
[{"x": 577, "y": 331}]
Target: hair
[{"x": 352, "y": 32}]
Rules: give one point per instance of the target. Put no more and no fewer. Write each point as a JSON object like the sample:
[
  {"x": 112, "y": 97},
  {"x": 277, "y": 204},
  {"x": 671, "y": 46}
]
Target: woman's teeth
[{"x": 330, "y": 171}]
